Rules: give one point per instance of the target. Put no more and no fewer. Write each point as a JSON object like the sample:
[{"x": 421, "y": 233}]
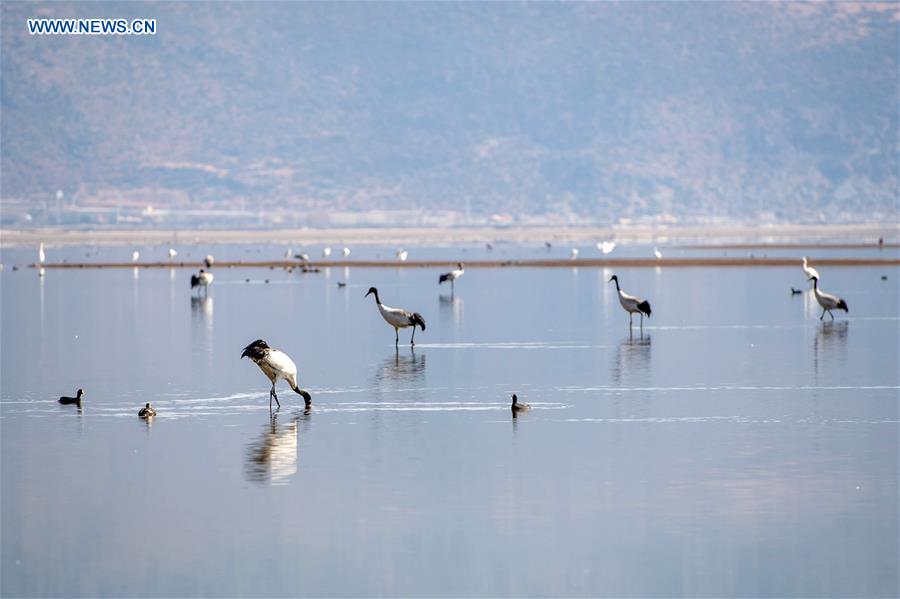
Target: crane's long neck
[
  {"x": 377, "y": 299},
  {"x": 616, "y": 281}
]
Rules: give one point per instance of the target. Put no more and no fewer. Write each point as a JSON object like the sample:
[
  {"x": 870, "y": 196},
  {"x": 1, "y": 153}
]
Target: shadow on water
[
  {"x": 632, "y": 364},
  {"x": 272, "y": 458},
  {"x": 400, "y": 370}
]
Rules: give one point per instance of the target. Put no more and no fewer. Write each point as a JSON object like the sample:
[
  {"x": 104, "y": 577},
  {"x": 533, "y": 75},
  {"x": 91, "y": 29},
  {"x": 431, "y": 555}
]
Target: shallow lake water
[{"x": 734, "y": 446}]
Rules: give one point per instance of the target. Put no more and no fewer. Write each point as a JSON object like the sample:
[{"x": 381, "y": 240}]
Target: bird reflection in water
[
  {"x": 451, "y": 309},
  {"x": 400, "y": 368},
  {"x": 272, "y": 459},
  {"x": 830, "y": 337},
  {"x": 632, "y": 359}
]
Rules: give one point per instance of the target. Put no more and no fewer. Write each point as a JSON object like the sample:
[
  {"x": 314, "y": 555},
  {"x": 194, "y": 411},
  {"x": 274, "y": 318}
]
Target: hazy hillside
[{"x": 572, "y": 111}]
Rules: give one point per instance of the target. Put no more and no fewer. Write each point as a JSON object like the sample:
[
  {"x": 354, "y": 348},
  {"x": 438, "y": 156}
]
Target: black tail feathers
[
  {"x": 195, "y": 281},
  {"x": 644, "y": 307},
  {"x": 445, "y": 277}
]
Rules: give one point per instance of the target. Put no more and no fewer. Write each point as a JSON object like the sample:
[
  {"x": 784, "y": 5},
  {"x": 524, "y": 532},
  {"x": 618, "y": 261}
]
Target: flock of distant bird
[{"x": 278, "y": 366}]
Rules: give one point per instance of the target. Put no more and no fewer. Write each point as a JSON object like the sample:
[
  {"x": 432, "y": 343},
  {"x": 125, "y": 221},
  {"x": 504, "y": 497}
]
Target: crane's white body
[
  {"x": 827, "y": 301},
  {"x": 631, "y": 303},
  {"x": 402, "y": 255},
  {"x": 209, "y": 260},
  {"x": 657, "y": 253},
  {"x": 345, "y": 252},
  {"x": 808, "y": 270},
  {"x": 289, "y": 253},
  {"x": 574, "y": 254},
  {"x": 606, "y": 246},
  {"x": 398, "y": 318},
  {"x": 277, "y": 366},
  {"x": 135, "y": 256},
  {"x": 41, "y": 255},
  {"x": 326, "y": 252},
  {"x": 172, "y": 253},
  {"x": 202, "y": 280},
  {"x": 452, "y": 276}
]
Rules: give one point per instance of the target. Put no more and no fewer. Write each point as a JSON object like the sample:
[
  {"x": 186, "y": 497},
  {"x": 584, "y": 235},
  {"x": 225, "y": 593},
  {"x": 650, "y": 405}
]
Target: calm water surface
[{"x": 736, "y": 446}]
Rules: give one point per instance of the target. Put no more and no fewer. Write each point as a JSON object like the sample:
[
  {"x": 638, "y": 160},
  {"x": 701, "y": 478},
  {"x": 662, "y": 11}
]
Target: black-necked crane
[
  {"x": 827, "y": 301},
  {"x": 606, "y": 246},
  {"x": 452, "y": 275},
  {"x": 657, "y": 253},
  {"x": 289, "y": 253},
  {"x": 277, "y": 366},
  {"x": 209, "y": 261},
  {"x": 402, "y": 255},
  {"x": 808, "y": 270},
  {"x": 147, "y": 411},
  {"x": 135, "y": 256},
  {"x": 517, "y": 406},
  {"x": 631, "y": 304},
  {"x": 202, "y": 280},
  {"x": 326, "y": 252},
  {"x": 72, "y": 400},
  {"x": 172, "y": 253},
  {"x": 398, "y": 318},
  {"x": 573, "y": 255},
  {"x": 41, "y": 255},
  {"x": 345, "y": 252}
]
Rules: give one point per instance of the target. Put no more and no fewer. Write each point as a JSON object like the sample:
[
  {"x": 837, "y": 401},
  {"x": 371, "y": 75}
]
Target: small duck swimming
[
  {"x": 518, "y": 407},
  {"x": 72, "y": 400},
  {"x": 796, "y": 291},
  {"x": 147, "y": 411}
]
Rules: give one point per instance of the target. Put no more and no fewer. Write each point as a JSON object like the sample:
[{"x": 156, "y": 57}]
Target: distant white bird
[
  {"x": 326, "y": 252},
  {"x": 135, "y": 256},
  {"x": 606, "y": 246},
  {"x": 209, "y": 261},
  {"x": 827, "y": 301},
  {"x": 398, "y": 318},
  {"x": 303, "y": 257},
  {"x": 276, "y": 365},
  {"x": 452, "y": 275},
  {"x": 172, "y": 253},
  {"x": 41, "y": 255},
  {"x": 657, "y": 253},
  {"x": 402, "y": 254},
  {"x": 574, "y": 254},
  {"x": 345, "y": 252},
  {"x": 809, "y": 271},
  {"x": 289, "y": 253},
  {"x": 202, "y": 280},
  {"x": 631, "y": 304}
]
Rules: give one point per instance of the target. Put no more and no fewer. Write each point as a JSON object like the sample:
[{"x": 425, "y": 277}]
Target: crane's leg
[
  {"x": 396, "y": 336},
  {"x": 831, "y": 315},
  {"x": 642, "y": 321},
  {"x": 412, "y": 340},
  {"x": 630, "y": 319},
  {"x": 275, "y": 395},
  {"x": 823, "y": 314}
]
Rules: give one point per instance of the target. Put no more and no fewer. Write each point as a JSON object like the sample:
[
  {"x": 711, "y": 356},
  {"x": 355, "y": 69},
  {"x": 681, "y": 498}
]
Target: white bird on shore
[
  {"x": 326, "y": 252},
  {"x": 657, "y": 253},
  {"x": 452, "y": 275},
  {"x": 808, "y": 270},
  {"x": 574, "y": 254},
  {"x": 209, "y": 261},
  {"x": 827, "y": 301},
  {"x": 41, "y": 255},
  {"x": 276, "y": 365},
  {"x": 631, "y": 304},
  {"x": 345, "y": 252},
  {"x": 402, "y": 254},
  {"x": 288, "y": 253},
  {"x": 172, "y": 253},
  {"x": 202, "y": 280},
  {"x": 398, "y": 318},
  {"x": 606, "y": 246},
  {"x": 302, "y": 257},
  {"x": 135, "y": 256}
]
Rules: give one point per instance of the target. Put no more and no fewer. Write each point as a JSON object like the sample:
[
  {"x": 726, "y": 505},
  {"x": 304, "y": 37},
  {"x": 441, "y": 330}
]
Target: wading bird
[
  {"x": 147, "y": 411},
  {"x": 276, "y": 365},
  {"x": 41, "y": 255},
  {"x": 398, "y": 318},
  {"x": 288, "y": 253},
  {"x": 172, "y": 253},
  {"x": 606, "y": 246},
  {"x": 808, "y": 270},
  {"x": 72, "y": 400},
  {"x": 209, "y": 261},
  {"x": 574, "y": 254},
  {"x": 518, "y": 407},
  {"x": 135, "y": 256},
  {"x": 202, "y": 280},
  {"x": 452, "y": 275},
  {"x": 827, "y": 301},
  {"x": 657, "y": 253},
  {"x": 402, "y": 254},
  {"x": 631, "y": 304},
  {"x": 326, "y": 252},
  {"x": 345, "y": 252}
]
